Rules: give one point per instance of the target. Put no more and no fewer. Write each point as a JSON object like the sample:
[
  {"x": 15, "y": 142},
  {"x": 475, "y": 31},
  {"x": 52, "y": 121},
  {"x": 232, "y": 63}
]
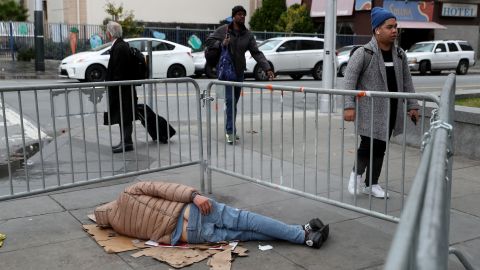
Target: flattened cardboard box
[{"x": 176, "y": 257}]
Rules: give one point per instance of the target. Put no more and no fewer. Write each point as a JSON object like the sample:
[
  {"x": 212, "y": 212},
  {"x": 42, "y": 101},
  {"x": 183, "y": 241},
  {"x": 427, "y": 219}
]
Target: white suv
[
  {"x": 438, "y": 55},
  {"x": 294, "y": 56}
]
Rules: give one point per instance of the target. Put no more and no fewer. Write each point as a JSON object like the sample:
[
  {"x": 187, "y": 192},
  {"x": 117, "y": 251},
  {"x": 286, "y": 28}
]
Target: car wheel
[
  {"x": 424, "y": 67},
  {"x": 176, "y": 71},
  {"x": 95, "y": 73},
  {"x": 259, "y": 74},
  {"x": 341, "y": 70},
  {"x": 317, "y": 71},
  {"x": 211, "y": 72},
  {"x": 462, "y": 68},
  {"x": 296, "y": 76}
]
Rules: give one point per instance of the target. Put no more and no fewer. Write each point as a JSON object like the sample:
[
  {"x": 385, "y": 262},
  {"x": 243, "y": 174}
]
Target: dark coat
[
  {"x": 119, "y": 70},
  {"x": 239, "y": 44}
]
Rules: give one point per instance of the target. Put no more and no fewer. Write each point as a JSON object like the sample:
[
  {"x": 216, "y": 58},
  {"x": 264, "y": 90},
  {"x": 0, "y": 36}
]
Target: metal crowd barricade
[
  {"x": 286, "y": 143},
  {"x": 422, "y": 238},
  {"x": 53, "y": 138}
]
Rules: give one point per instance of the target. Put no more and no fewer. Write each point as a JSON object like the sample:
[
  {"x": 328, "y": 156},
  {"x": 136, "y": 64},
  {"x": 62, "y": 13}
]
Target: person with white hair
[{"x": 120, "y": 100}]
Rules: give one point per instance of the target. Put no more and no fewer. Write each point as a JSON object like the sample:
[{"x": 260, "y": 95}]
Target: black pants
[
  {"x": 363, "y": 159},
  {"x": 126, "y": 132},
  {"x": 379, "y": 147}
]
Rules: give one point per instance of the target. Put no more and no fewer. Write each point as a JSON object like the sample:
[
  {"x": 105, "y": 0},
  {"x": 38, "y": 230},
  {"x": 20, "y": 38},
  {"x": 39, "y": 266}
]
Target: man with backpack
[
  {"x": 121, "y": 102},
  {"x": 377, "y": 66},
  {"x": 238, "y": 39}
]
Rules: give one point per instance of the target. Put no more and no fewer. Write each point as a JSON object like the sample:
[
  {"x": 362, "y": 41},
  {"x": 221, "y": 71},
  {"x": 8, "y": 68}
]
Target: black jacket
[
  {"x": 119, "y": 70},
  {"x": 239, "y": 44}
]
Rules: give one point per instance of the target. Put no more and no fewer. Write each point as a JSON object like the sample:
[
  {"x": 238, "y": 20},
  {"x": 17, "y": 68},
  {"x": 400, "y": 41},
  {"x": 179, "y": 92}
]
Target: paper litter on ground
[
  {"x": 2, "y": 237},
  {"x": 265, "y": 247}
]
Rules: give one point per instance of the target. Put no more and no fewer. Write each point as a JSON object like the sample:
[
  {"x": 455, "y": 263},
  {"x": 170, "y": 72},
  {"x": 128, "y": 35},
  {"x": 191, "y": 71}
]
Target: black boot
[
  {"x": 125, "y": 140},
  {"x": 315, "y": 239}
]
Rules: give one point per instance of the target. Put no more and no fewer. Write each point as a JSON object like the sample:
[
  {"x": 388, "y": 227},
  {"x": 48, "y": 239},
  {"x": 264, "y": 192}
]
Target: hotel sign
[{"x": 459, "y": 10}]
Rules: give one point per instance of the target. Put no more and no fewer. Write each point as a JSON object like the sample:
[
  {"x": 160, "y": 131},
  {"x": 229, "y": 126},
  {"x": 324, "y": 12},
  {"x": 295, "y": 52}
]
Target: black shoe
[
  {"x": 314, "y": 239},
  {"x": 117, "y": 145},
  {"x": 314, "y": 224},
  {"x": 119, "y": 149}
]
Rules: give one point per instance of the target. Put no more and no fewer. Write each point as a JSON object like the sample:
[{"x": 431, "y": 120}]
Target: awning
[
  {"x": 419, "y": 25},
  {"x": 344, "y": 8}
]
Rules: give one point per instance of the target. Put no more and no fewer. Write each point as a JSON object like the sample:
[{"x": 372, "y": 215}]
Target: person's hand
[
  {"x": 413, "y": 114},
  {"x": 203, "y": 203},
  {"x": 270, "y": 75},
  {"x": 349, "y": 114},
  {"x": 226, "y": 41}
]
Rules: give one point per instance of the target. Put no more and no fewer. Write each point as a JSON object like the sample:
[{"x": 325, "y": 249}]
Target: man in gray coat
[
  {"x": 238, "y": 39},
  {"x": 377, "y": 66}
]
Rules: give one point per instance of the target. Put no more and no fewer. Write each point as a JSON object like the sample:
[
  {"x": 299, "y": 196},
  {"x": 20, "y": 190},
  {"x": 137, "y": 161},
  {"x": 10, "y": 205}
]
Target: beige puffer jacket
[{"x": 146, "y": 210}]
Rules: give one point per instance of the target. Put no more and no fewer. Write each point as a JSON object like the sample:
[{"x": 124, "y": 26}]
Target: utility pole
[
  {"x": 39, "y": 47},
  {"x": 329, "y": 70}
]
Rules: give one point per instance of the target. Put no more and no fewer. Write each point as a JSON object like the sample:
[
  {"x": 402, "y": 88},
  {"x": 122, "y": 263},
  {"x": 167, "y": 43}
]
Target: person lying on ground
[{"x": 170, "y": 213}]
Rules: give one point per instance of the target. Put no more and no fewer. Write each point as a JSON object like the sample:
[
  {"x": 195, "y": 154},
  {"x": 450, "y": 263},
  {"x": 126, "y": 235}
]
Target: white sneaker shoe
[
  {"x": 376, "y": 191},
  {"x": 354, "y": 180}
]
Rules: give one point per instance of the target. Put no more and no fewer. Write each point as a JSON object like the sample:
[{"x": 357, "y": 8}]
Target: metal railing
[
  {"x": 19, "y": 36},
  {"x": 422, "y": 237},
  {"x": 287, "y": 144},
  {"x": 53, "y": 136}
]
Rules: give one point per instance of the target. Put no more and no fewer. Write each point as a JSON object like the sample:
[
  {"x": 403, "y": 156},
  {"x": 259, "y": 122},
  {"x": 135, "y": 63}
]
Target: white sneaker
[
  {"x": 351, "y": 183},
  {"x": 376, "y": 191}
]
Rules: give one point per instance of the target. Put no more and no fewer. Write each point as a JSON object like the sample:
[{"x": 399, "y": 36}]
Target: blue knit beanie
[{"x": 379, "y": 15}]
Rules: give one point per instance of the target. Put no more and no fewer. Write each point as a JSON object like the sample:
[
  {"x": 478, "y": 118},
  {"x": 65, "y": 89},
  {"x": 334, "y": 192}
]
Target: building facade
[
  {"x": 417, "y": 20},
  {"x": 173, "y": 12}
]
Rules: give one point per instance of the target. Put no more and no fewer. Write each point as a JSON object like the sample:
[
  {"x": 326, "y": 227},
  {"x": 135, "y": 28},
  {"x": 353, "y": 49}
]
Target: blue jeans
[
  {"x": 225, "y": 223},
  {"x": 231, "y": 100}
]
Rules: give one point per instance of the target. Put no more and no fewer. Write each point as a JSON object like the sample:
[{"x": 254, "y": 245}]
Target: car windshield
[
  {"x": 99, "y": 48},
  {"x": 269, "y": 45},
  {"x": 422, "y": 47}
]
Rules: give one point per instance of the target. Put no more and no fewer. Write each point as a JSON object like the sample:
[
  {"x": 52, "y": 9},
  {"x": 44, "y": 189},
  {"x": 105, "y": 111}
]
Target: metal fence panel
[
  {"x": 305, "y": 146},
  {"x": 17, "y": 37},
  {"x": 53, "y": 137}
]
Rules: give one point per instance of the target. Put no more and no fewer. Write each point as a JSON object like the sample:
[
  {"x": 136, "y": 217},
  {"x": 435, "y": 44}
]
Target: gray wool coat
[{"x": 374, "y": 78}]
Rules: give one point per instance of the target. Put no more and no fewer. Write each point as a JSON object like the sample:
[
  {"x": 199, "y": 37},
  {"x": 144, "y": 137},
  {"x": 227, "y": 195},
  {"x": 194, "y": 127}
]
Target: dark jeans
[
  {"x": 231, "y": 100},
  {"x": 363, "y": 155},
  {"x": 126, "y": 132},
  {"x": 363, "y": 159}
]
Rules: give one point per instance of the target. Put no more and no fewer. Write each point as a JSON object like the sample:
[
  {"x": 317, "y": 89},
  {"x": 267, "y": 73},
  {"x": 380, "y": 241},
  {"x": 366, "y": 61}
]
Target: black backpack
[{"x": 139, "y": 64}]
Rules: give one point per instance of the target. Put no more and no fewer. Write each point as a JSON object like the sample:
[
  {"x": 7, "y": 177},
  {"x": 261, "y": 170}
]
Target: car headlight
[{"x": 412, "y": 60}]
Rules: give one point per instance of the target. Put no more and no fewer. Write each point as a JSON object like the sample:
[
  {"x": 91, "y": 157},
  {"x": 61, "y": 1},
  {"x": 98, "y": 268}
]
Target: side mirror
[
  {"x": 281, "y": 49},
  {"x": 437, "y": 50}
]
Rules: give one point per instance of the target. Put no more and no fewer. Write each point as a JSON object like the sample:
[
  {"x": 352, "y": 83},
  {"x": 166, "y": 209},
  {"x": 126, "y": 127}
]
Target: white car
[
  {"x": 438, "y": 55},
  {"x": 294, "y": 56},
  {"x": 170, "y": 60},
  {"x": 201, "y": 66},
  {"x": 343, "y": 55}
]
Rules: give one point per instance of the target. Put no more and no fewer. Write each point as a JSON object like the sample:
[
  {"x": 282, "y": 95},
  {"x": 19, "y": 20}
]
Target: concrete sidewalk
[{"x": 45, "y": 231}]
